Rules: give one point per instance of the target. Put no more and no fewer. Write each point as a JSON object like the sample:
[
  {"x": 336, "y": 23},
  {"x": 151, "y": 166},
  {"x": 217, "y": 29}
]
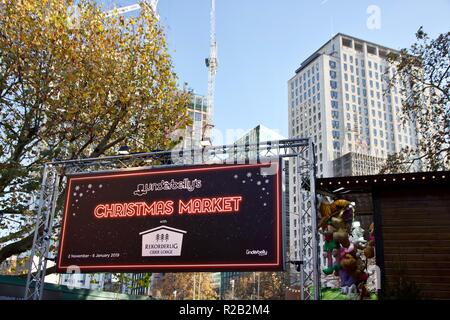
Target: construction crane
[{"x": 211, "y": 64}]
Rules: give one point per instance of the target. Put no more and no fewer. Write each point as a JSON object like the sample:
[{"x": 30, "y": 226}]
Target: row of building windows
[
  {"x": 310, "y": 73},
  {"x": 371, "y": 65}
]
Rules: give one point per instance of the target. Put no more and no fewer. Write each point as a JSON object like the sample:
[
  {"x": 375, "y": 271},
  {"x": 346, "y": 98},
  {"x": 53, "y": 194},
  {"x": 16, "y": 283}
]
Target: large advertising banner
[{"x": 204, "y": 218}]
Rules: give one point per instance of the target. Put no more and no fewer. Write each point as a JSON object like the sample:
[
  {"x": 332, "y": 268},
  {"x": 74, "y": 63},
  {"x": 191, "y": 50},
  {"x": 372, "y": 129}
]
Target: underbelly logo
[
  {"x": 162, "y": 241},
  {"x": 260, "y": 253}
]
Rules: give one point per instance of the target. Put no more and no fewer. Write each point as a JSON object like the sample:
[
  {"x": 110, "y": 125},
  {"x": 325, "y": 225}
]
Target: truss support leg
[
  {"x": 309, "y": 245},
  {"x": 42, "y": 233}
]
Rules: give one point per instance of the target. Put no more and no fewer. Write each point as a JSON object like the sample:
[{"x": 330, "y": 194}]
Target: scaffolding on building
[{"x": 301, "y": 151}]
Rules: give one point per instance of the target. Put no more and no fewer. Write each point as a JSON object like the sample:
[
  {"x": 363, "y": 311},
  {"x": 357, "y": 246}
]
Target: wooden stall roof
[{"x": 364, "y": 184}]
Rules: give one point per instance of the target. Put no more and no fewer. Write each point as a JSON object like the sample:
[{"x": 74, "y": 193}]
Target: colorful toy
[
  {"x": 369, "y": 250},
  {"x": 343, "y": 245}
]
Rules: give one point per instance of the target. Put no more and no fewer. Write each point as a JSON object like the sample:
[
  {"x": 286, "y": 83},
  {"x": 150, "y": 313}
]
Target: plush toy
[
  {"x": 341, "y": 235},
  {"x": 329, "y": 246},
  {"x": 363, "y": 292},
  {"x": 347, "y": 281},
  {"x": 369, "y": 250},
  {"x": 358, "y": 235},
  {"x": 349, "y": 263},
  {"x": 328, "y": 210},
  {"x": 343, "y": 245}
]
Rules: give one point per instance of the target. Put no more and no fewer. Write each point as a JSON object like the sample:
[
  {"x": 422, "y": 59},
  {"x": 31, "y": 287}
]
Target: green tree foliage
[
  {"x": 75, "y": 86},
  {"x": 423, "y": 72}
]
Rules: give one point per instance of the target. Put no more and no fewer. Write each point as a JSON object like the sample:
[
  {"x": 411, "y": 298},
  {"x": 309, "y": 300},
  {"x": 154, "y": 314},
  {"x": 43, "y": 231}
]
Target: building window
[
  {"x": 333, "y": 84},
  {"x": 333, "y": 74},
  {"x": 335, "y": 124},
  {"x": 334, "y": 95},
  {"x": 336, "y": 145},
  {"x": 332, "y": 64},
  {"x": 334, "y": 104},
  {"x": 335, "y": 114}
]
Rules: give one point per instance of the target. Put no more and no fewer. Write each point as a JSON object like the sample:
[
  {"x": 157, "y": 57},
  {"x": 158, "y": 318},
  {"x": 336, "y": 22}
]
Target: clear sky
[{"x": 261, "y": 43}]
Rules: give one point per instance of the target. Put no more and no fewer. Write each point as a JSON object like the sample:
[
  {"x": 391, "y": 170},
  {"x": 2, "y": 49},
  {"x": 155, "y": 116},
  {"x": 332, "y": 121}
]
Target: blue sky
[{"x": 262, "y": 42}]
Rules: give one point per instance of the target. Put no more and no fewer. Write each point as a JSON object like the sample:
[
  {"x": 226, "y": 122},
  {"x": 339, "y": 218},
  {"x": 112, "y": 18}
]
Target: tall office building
[{"x": 341, "y": 98}]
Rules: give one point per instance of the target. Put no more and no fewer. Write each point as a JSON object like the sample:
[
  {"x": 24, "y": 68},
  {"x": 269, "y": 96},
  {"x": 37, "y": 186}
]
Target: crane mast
[{"x": 211, "y": 63}]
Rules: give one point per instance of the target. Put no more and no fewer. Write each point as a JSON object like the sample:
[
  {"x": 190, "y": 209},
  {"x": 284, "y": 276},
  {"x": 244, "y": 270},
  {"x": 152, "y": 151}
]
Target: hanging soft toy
[
  {"x": 341, "y": 235},
  {"x": 333, "y": 228},
  {"x": 329, "y": 209},
  {"x": 358, "y": 235},
  {"x": 329, "y": 246},
  {"x": 369, "y": 251},
  {"x": 343, "y": 241}
]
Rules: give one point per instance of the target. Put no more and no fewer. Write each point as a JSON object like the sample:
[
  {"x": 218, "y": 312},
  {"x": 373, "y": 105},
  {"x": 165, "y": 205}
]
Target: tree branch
[{"x": 16, "y": 247}]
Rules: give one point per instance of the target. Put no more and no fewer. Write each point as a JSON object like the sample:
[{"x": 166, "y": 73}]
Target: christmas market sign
[{"x": 204, "y": 218}]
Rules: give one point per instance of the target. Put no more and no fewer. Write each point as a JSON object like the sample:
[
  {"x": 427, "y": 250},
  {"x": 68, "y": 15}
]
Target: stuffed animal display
[
  {"x": 369, "y": 250},
  {"x": 344, "y": 244}
]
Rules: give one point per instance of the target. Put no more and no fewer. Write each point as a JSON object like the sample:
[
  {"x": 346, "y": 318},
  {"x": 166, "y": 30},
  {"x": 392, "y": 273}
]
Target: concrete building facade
[{"x": 356, "y": 164}]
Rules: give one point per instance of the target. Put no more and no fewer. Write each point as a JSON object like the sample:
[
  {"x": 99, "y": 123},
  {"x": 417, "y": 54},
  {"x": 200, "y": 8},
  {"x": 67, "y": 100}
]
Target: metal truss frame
[{"x": 302, "y": 150}]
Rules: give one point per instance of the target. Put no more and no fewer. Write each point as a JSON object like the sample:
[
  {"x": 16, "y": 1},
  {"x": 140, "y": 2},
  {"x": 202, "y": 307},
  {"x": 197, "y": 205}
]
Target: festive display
[{"x": 346, "y": 251}]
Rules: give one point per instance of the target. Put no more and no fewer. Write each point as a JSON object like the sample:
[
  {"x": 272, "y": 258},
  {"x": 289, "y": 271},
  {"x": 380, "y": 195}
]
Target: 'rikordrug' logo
[{"x": 162, "y": 241}]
